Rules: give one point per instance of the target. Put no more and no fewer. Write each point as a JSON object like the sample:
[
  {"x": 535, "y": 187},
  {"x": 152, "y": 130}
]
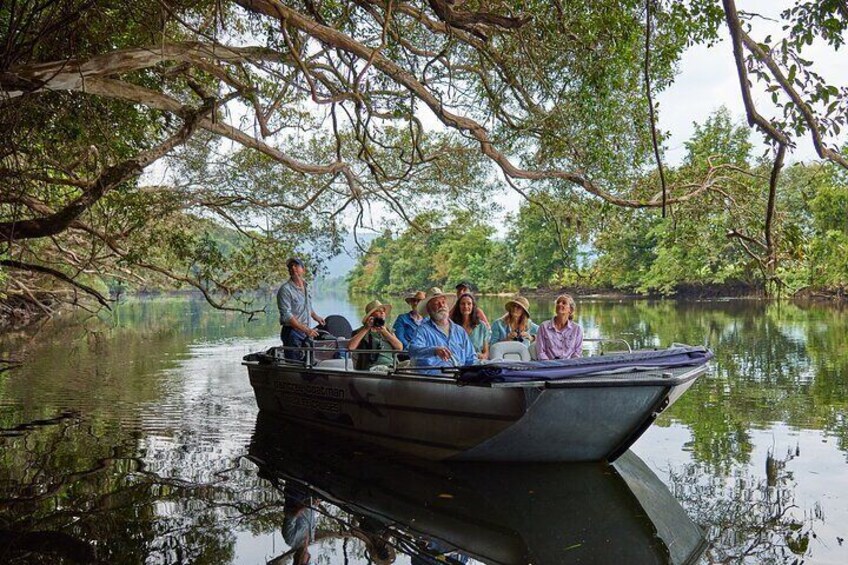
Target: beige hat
[
  {"x": 434, "y": 292},
  {"x": 373, "y": 306},
  {"x": 417, "y": 295},
  {"x": 518, "y": 301}
]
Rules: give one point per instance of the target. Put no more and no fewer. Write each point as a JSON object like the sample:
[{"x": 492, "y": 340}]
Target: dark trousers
[{"x": 293, "y": 338}]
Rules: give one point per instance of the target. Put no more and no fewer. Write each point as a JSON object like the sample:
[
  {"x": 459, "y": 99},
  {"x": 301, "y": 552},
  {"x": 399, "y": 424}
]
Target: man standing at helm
[
  {"x": 295, "y": 304},
  {"x": 438, "y": 341}
]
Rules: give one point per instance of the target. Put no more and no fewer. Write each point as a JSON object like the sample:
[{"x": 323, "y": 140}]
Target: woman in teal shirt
[{"x": 466, "y": 315}]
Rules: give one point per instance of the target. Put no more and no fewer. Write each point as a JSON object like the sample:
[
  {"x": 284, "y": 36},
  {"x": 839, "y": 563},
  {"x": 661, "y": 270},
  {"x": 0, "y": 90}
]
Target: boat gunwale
[{"x": 633, "y": 379}]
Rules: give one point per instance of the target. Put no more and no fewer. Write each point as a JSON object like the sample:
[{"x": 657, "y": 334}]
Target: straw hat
[
  {"x": 518, "y": 301},
  {"x": 434, "y": 292},
  {"x": 372, "y": 307},
  {"x": 418, "y": 295}
]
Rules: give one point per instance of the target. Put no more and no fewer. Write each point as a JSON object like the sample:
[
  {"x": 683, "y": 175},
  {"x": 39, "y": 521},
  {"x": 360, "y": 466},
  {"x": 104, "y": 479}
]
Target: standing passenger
[
  {"x": 438, "y": 341},
  {"x": 295, "y": 304},
  {"x": 560, "y": 338},
  {"x": 407, "y": 324},
  {"x": 516, "y": 324},
  {"x": 465, "y": 315}
]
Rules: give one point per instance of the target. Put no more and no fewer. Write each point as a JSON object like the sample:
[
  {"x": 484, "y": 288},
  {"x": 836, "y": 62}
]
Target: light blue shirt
[
  {"x": 422, "y": 348},
  {"x": 294, "y": 303},
  {"x": 405, "y": 327},
  {"x": 500, "y": 329}
]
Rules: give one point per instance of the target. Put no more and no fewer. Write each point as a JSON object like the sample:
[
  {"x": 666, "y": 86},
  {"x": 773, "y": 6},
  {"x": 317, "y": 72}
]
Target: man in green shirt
[{"x": 374, "y": 335}]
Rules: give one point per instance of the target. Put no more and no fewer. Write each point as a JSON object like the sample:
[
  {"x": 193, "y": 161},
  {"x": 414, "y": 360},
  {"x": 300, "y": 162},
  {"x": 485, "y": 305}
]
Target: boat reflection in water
[{"x": 453, "y": 512}]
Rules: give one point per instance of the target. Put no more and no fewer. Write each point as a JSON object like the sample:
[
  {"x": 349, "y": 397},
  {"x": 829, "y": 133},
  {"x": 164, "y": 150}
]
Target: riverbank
[
  {"x": 17, "y": 313},
  {"x": 683, "y": 292}
]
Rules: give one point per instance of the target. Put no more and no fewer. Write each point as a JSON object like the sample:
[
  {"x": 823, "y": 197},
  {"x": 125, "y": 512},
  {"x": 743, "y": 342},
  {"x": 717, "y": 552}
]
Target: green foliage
[
  {"x": 717, "y": 239},
  {"x": 544, "y": 239},
  {"x": 437, "y": 256}
]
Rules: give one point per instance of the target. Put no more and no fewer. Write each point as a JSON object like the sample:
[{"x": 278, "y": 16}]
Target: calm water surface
[{"x": 135, "y": 439}]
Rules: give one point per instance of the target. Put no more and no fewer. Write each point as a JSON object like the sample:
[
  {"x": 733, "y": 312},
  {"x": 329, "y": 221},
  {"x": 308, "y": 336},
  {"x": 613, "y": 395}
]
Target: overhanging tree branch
[
  {"x": 13, "y": 264},
  {"x": 110, "y": 178}
]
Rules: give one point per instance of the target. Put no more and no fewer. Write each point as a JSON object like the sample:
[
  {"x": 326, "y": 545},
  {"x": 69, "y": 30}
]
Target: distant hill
[{"x": 340, "y": 265}]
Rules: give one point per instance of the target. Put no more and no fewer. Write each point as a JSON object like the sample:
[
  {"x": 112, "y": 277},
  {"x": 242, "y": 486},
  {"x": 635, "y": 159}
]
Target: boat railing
[{"x": 313, "y": 353}]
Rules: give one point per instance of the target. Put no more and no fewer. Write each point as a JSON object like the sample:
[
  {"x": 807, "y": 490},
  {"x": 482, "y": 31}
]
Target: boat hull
[
  {"x": 504, "y": 514},
  {"x": 584, "y": 419}
]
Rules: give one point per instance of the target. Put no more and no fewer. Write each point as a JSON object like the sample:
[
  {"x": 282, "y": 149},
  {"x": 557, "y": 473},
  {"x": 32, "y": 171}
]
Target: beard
[{"x": 440, "y": 315}]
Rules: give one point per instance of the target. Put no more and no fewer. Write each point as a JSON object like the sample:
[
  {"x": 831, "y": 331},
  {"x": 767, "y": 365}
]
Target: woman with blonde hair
[
  {"x": 516, "y": 324},
  {"x": 560, "y": 337}
]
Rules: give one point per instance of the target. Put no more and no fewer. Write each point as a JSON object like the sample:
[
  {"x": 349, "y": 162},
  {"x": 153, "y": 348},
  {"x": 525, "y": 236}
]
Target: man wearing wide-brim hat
[
  {"x": 375, "y": 337},
  {"x": 407, "y": 323},
  {"x": 439, "y": 342}
]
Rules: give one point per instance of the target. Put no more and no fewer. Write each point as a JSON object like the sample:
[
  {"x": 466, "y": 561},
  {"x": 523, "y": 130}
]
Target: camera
[
  {"x": 518, "y": 338},
  {"x": 378, "y": 322}
]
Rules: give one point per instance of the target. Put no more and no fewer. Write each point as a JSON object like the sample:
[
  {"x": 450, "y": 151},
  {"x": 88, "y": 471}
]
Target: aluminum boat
[{"x": 588, "y": 409}]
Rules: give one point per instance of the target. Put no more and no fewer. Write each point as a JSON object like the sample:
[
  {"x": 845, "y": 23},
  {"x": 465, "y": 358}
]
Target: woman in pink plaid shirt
[{"x": 561, "y": 337}]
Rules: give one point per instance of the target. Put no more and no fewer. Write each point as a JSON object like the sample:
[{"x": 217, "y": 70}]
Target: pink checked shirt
[{"x": 552, "y": 343}]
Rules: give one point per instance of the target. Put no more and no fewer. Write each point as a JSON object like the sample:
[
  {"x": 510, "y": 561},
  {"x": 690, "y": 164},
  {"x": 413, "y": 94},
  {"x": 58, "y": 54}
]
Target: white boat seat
[
  {"x": 509, "y": 351},
  {"x": 335, "y": 364}
]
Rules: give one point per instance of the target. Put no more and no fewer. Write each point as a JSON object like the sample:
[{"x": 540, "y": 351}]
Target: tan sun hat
[
  {"x": 417, "y": 295},
  {"x": 434, "y": 292},
  {"x": 373, "y": 306},
  {"x": 518, "y": 301}
]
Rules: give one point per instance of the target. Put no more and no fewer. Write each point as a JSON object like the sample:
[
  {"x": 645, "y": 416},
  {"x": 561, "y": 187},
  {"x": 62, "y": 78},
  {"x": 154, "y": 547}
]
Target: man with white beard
[{"x": 438, "y": 341}]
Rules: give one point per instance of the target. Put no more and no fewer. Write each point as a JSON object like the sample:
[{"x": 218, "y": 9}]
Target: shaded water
[{"x": 129, "y": 440}]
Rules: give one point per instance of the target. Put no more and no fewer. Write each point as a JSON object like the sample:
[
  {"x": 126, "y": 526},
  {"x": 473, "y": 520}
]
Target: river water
[{"x": 133, "y": 438}]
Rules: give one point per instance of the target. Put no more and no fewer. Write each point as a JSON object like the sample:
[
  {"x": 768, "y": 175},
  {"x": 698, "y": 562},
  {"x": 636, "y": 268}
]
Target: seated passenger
[
  {"x": 438, "y": 341},
  {"x": 560, "y": 337},
  {"x": 407, "y": 324},
  {"x": 464, "y": 287},
  {"x": 374, "y": 335},
  {"x": 465, "y": 315},
  {"x": 516, "y": 324}
]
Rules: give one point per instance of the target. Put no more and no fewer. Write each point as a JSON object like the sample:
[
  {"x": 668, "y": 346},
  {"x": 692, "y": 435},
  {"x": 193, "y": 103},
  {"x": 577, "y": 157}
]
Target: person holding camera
[
  {"x": 374, "y": 336},
  {"x": 516, "y": 324}
]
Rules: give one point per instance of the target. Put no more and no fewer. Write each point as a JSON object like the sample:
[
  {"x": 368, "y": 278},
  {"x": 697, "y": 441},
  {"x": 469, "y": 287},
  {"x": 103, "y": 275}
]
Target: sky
[{"x": 707, "y": 80}]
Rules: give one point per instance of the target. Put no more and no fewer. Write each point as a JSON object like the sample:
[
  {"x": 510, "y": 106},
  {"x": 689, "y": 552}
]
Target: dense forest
[
  {"x": 196, "y": 143},
  {"x": 579, "y": 242}
]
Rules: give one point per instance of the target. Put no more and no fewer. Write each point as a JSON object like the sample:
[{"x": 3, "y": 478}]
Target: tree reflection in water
[
  {"x": 152, "y": 469},
  {"x": 748, "y": 519},
  {"x": 69, "y": 494},
  {"x": 72, "y": 492}
]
